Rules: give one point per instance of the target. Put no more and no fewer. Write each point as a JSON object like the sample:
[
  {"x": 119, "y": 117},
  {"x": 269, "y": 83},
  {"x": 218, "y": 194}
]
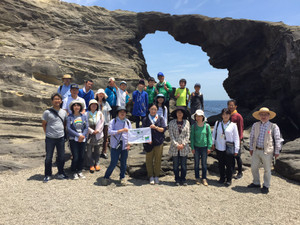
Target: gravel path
[{"x": 25, "y": 199}]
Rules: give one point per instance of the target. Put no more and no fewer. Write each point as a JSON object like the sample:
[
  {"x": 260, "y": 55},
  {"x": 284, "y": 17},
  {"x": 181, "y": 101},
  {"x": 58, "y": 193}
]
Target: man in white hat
[
  {"x": 64, "y": 90},
  {"x": 74, "y": 96},
  {"x": 265, "y": 141}
]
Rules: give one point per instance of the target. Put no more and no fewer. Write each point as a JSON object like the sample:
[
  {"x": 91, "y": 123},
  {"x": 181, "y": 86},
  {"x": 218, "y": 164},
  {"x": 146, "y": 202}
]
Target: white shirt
[
  {"x": 121, "y": 97},
  {"x": 231, "y": 133},
  {"x": 68, "y": 100}
]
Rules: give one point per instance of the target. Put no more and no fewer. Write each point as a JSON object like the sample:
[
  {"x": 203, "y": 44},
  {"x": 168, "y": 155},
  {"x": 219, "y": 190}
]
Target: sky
[{"x": 188, "y": 61}]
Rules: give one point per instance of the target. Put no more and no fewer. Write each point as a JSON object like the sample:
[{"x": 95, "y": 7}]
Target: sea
[{"x": 214, "y": 107}]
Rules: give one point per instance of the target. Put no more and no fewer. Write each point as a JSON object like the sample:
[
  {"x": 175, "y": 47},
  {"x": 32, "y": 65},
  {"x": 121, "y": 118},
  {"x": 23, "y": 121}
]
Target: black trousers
[{"x": 225, "y": 165}]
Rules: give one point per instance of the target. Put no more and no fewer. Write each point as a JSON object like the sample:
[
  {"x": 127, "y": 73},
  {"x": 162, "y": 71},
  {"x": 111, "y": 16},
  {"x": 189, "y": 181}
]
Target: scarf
[
  {"x": 153, "y": 119},
  {"x": 235, "y": 111}
]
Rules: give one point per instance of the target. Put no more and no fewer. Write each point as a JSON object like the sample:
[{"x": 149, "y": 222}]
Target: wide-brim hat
[
  {"x": 263, "y": 110},
  {"x": 103, "y": 92},
  {"x": 93, "y": 101},
  {"x": 66, "y": 76},
  {"x": 186, "y": 113},
  {"x": 76, "y": 102},
  {"x": 120, "y": 108},
  {"x": 198, "y": 112}
]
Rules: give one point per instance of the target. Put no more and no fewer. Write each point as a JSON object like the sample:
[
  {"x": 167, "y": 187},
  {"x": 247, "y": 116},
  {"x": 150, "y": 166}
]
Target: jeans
[
  {"x": 114, "y": 156},
  {"x": 51, "y": 143},
  {"x": 137, "y": 120},
  {"x": 225, "y": 160},
  {"x": 77, "y": 149},
  {"x": 200, "y": 152},
  {"x": 179, "y": 160}
]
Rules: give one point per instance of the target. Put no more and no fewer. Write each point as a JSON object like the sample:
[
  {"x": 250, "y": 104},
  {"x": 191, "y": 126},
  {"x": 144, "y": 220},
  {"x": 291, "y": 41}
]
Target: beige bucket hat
[
  {"x": 66, "y": 76},
  {"x": 101, "y": 91}
]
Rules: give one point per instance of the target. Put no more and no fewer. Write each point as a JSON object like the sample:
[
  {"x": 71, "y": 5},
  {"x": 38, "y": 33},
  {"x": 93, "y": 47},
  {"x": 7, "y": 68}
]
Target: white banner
[{"x": 139, "y": 135}]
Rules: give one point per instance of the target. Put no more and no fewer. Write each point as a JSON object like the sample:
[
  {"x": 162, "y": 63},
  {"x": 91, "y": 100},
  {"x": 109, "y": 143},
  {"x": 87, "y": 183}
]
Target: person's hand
[
  {"x": 251, "y": 152},
  {"x": 128, "y": 147},
  {"x": 178, "y": 147},
  {"x": 96, "y": 132},
  {"x": 213, "y": 148},
  {"x": 178, "y": 95},
  {"x": 165, "y": 86},
  {"x": 276, "y": 156},
  {"x": 81, "y": 138},
  {"x": 152, "y": 126},
  {"x": 123, "y": 130},
  {"x": 235, "y": 154},
  {"x": 208, "y": 151},
  {"x": 193, "y": 151},
  {"x": 193, "y": 94},
  {"x": 145, "y": 88}
]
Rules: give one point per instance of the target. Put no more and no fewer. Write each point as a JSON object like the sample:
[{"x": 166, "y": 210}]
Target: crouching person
[
  {"x": 53, "y": 123},
  {"x": 118, "y": 129},
  {"x": 265, "y": 141}
]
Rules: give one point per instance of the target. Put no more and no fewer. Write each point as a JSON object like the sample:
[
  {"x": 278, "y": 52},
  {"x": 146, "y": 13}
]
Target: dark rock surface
[{"x": 288, "y": 163}]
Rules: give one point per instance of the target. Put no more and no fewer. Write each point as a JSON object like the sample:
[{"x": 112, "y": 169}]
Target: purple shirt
[{"x": 115, "y": 125}]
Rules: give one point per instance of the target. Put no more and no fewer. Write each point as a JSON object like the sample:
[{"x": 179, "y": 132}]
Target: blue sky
[{"x": 188, "y": 61}]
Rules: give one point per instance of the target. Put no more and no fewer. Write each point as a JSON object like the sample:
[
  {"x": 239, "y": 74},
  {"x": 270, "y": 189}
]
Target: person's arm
[
  {"x": 277, "y": 140},
  {"x": 85, "y": 131},
  {"x": 44, "y": 124},
  {"x": 251, "y": 139},
  {"x": 201, "y": 101},
  {"x": 189, "y": 94},
  {"x": 187, "y": 133},
  {"x": 166, "y": 115},
  {"x": 110, "y": 128},
  {"x": 192, "y": 138},
  {"x": 236, "y": 138},
  {"x": 214, "y": 135},
  {"x": 70, "y": 130},
  {"x": 209, "y": 137},
  {"x": 146, "y": 101},
  {"x": 177, "y": 95},
  {"x": 171, "y": 132},
  {"x": 90, "y": 130},
  {"x": 100, "y": 122},
  {"x": 170, "y": 89}
]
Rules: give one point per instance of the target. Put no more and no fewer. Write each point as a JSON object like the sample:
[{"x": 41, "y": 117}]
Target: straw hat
[
  {"x": 76, "y": 102},
  {"x": 263, "y": 110},
  {"x": 103, "y": 92},
  {"x": 186, "y": 113},
  {"x": 66, "y": 76}
]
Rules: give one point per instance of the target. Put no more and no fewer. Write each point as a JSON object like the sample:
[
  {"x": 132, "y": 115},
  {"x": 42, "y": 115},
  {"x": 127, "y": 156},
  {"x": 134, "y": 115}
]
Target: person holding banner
[
  {"x": 179, "y": 129},
  {"x": 154, "y": 149},
  {"x": 118, "y": 129}
]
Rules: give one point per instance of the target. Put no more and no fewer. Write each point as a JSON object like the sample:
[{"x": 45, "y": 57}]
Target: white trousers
[{"x": 258, "y": 158}]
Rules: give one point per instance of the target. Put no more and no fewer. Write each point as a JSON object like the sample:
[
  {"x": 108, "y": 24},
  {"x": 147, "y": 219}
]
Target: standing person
[
  {"x": 74, "y": 96},
  {"x": 162, "y": 109},
  {"x": 77, "y": 124},
  {"x": 201, "y": 143},
  {"x": 154, "y": 149},
  {"x": 53, "y": 123},
  {"x": 105, "y": 108},
  {"x": 140, "y": 103},
  {"x": 265, "y": 141},
  {"x": 151, "y": 91},
  {"x": 179, "y": 129},
  {"x": 182, "y": 94},
  {"x": 95, "y": 135},
  {"x": 64, "y": 90},
  {"x": 197, "y": 99},
  {"x": 164, "y": 88},
  {"x": 86, "y": 92},
  {"x": 238, "y": 119},
  {"x": 111, "y": 93},
  {"x": 122, "y": 95},
  {"x": 118, "y": 129},
  {"x": 225, "y": 131}
]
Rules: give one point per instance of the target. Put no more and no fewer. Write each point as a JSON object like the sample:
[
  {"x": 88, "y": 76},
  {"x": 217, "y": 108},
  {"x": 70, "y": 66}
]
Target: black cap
[{"x": 74, "y": 86}]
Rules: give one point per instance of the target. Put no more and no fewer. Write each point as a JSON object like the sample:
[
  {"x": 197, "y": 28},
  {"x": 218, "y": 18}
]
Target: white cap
[{"x": 199, "y": 112}]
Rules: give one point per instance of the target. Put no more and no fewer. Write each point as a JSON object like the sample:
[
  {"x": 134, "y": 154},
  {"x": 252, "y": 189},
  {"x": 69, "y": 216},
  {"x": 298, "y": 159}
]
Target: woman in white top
[
  {"x": 105, "y": 108},
  {"x": 162, "y": 109},
  {"x": 225, "y": 131}
]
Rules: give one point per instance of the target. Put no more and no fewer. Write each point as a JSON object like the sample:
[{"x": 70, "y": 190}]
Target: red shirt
[{"x": 238, "y": 119}]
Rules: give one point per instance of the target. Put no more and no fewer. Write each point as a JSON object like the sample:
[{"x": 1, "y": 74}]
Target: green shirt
[
  {"x": 151, "y": 94},
  {"x": 182, "y": 100},
  {"x": 161, "y": 89},
  {"x": 199, "y": 136}
]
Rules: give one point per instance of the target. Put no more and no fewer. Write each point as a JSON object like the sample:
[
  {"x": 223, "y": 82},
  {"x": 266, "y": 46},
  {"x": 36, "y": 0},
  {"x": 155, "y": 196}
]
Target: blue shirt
[
  {"x": 64, "y": 91},
  {"x": 115, "y": 125},
  {"x": 86, "y": 96},
  {"x": 140, "y": 103},
  {"x": 111, "y": 93}
]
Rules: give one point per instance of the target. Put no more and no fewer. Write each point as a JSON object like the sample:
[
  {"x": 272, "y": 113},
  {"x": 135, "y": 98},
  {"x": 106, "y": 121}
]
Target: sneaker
[
  {"x": 264, "y": 190},
  {"x": 62, "y": 176},
  {"x": 75, "y": 176},
  {"x": 92, "y": 169},
  {"x": 80, "y": 175},
  {"x": 104, "y": 155},
  {"x": 227, "y": 183},
  {"x": 97, "y": 167},
  {"x": 177, "y": 183},
  {"x": 221, "y": 181},
  {"x": 46, "y": 179},
  {"x": 156, "y": 180},
  {"x": 105, "y": 182},
  {"x": 185, "y": 183},
  {"x": 204, "y": 182},
  {"x": 152, "y": 180},
  {"x": 123, "y": 182},
  {"x": 253, "y": 185},
  {"x": 198, "y": 182},
  {"x": 239, "y": 176}
]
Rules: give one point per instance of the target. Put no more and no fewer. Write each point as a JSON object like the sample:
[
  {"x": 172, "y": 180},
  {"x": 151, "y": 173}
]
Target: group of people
[{"x": 88, "y": 120}]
